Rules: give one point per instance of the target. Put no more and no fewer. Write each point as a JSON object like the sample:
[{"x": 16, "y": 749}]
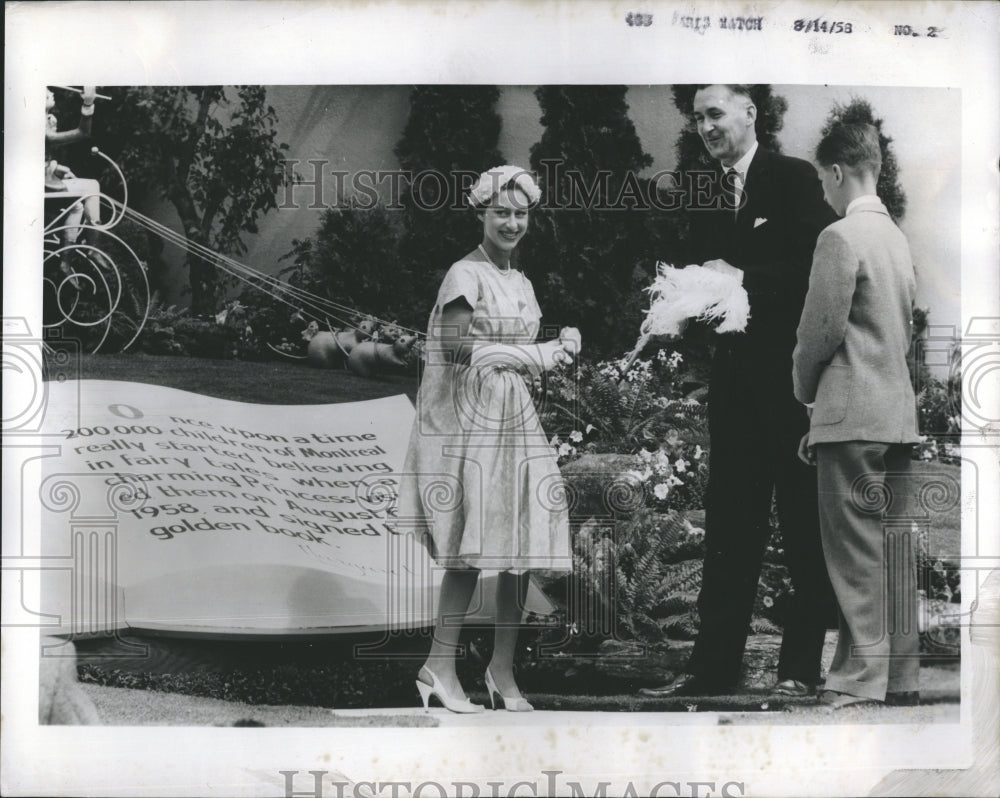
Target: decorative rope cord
[{"x": 309, "y": 304}]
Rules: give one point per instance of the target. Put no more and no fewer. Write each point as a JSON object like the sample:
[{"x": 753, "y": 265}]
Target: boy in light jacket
[{"x": 849, "y": 367}]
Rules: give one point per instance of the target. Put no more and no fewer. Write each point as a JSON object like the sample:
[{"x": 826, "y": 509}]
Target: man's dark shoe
[
  {"x": 684, "y": 685},
  {"x": 793, "y": 688},
  {"x": 909, "y": 698}
]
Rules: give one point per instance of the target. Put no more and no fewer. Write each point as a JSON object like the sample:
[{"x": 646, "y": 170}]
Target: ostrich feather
[{"x": 695, "y": 292}]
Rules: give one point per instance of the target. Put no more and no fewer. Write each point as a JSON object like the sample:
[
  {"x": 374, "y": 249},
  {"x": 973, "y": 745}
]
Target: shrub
[
  {"x": 633, "y": 408},
  {"x": 939, "y": 402},
  {"x": 636, "y": 576},
  {"x": 592, "y": 247},
  {"x": 622, "y": 405},
  {"x": 352, "y": 262},
  {"x": 938, "y": 420},
  {"x": 452, "y": 132},
  {"x": 173, "y": 331},
  {"x": 211, "y": 151}
]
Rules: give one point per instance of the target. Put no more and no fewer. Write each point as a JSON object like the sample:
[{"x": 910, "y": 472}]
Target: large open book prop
[{"x": 171, "y": 511}]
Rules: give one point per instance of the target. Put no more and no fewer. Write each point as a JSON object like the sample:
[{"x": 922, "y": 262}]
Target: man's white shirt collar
[
  {"x": 743, "y": 164},
  {"x": 864, "y": 199}
]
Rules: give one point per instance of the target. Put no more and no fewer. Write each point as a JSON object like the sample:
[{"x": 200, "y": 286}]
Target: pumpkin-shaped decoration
[
  {"x": 331, "y": 349},
  {"x": 371, "y": 358}
]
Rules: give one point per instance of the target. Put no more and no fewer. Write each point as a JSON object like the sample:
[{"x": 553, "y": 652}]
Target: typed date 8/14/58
[{"x": 822, "y": 26}]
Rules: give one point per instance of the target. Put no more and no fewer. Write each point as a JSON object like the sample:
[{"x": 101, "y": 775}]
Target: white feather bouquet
[{"x": 677, "y": 295}]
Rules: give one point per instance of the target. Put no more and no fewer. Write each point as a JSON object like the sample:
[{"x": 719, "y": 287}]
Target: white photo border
[{"x": 506, "y": 43}]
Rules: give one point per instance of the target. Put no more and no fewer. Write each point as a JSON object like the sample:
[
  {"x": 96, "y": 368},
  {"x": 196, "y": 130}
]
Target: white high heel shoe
[
  {"x": 460, "y": 705},
  {"x": 512, "y": 704}
]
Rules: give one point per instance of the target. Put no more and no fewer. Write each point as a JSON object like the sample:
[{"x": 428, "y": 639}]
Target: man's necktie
[{"x": 729, "y": 183}]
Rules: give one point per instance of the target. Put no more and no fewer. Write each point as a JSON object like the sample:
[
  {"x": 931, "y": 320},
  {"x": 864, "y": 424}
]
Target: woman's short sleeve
[
  {"x": 532, "y": 303},
  {"x": 460, "y": 281}
]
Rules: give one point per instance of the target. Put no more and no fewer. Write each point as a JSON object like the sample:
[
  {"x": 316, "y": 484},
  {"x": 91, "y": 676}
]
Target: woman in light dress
[{"x": 481, "y": 487}]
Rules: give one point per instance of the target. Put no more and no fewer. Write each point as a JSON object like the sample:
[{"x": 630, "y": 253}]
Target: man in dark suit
[{"x": 766, "y": 213}]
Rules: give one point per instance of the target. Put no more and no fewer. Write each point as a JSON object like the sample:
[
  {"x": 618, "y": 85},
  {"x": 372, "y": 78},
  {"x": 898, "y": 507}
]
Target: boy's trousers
[{"x": 865, "y": 490}]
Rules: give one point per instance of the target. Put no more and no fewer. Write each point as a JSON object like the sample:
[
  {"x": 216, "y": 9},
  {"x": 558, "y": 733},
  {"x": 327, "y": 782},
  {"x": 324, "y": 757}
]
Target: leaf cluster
[
  {"x": 634, "y": 567},
  {"x": 211, "y": 151}
]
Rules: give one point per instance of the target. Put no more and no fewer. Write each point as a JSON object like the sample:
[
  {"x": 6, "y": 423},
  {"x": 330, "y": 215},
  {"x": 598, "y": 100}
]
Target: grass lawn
[
  {"x": 945, "y": 526},
  {"x": 268, "y": 382}
]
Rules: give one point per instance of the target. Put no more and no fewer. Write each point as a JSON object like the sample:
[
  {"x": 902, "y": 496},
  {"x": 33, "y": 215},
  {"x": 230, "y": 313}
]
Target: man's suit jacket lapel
[{"x": 756, "y": 187}]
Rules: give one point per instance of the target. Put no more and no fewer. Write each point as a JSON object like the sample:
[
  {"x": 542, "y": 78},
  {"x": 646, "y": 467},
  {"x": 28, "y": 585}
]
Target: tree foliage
[
  {"x": 450, "y": 137},
  {"x": 212, "y": 151},
  {"x": 592, "y": 247},
  {"x": 353, "y": 260},
  {"x": 859, "y": 111}
]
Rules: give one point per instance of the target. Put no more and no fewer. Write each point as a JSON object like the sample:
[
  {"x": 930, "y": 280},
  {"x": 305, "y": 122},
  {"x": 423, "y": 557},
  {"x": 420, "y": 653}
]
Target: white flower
[
  {"x": 676, "y": 359},
  {"x": 576, "y": 436},
  {"x": 565, "y": 449},
  {"x": 674, "y": 480},
  {"x": 641, "y": 476},
  {"x": 589, "y": 428},
  {"x": 492, "y": 180},
  {"x": 662, "y": 462},
  {"x": 554, "y": 441},
  {"x": 661, "y": 490},
  {"x": 680, "y": 465},
  {"x": 698, "y": 451},
  {"x": 768, "y": 601}
]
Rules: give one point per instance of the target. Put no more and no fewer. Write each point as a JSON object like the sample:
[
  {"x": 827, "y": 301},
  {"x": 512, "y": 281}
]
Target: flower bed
[{"x": 633, "y": 446}]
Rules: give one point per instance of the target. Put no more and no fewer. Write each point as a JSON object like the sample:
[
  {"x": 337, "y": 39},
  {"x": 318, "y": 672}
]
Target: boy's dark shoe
[
  {"x": 832, "y": 700},
  {"x": 909, "y": 698}
]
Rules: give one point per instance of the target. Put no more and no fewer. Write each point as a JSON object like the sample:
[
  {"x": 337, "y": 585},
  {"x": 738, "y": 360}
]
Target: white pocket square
[{"x": 759, "y": 221}]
